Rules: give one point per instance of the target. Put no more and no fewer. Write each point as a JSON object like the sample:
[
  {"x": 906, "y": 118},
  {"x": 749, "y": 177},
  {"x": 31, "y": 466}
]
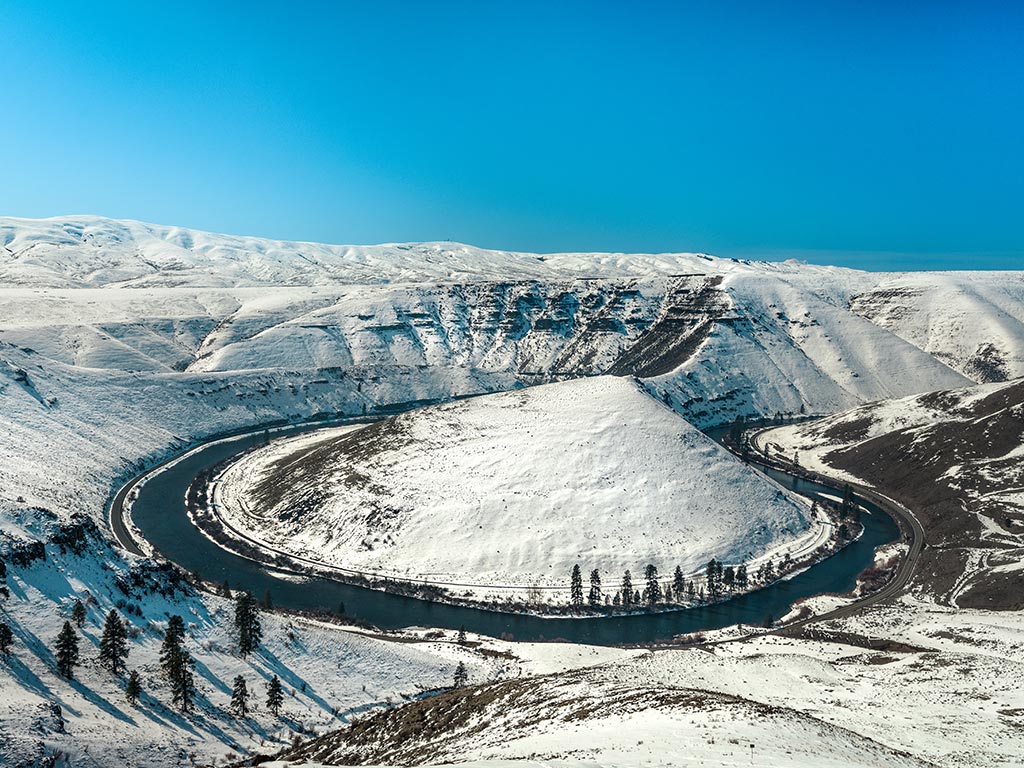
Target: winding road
[{"x": 913, "y": 531}]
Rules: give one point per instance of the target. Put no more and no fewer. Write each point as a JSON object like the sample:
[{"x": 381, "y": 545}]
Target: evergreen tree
[
  {"x": 712, "y": 577},
  {"x": 847, "y": 506},
  {"x": 636, "y": 597},
  {"x": 177, "y": 663},
  {"x": 627, "y": 589},
  {"x": 66, "y": 651},
  {"x": 240, "y": 697},
  {"x": 667, "y": 591},
  {"x": 267, "y": 604},
  {"x": 275, "y": 695},
  {"x": 678, "y": 582},
  {"x": 617, "y": 600},
  {"x": 728, "y": 577},
  {"x": 6, "y": 638},
  {"x": 247, "y": 622},
  {"x": 461, "y": 676},
  {"x": 594, "y": 598},
  {"x": 78, "y": 614},
  {"x": 741, "y": 576},
  {"x": 691, "y": 589},
  {"x": 462, "y": 636},
  {"x": 225, "y": 589},
  {"x": 113, "y": 643},
  {"x": 133, "y": 689},
  {"x": 653, "y": 589},
  {"x": 576, "y": 586}
]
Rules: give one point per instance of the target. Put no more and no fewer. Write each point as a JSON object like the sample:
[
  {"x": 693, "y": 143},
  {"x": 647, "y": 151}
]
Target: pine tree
[
  {"x": 461, "y": 676},
  {"x": 741, "y": 576},
  {"x": 678, "y": 582},
  {"x": 462, "y": 636},
  {"x": 225, "y": 589},
  {"x": 728, "y": 577},
  {"x": 627, "y": 589},
  {"x": 78, "y": 614},
  {"x": 653, "y": 590},
  {"x": 133, "y": 689},
  {"x": 712, "y": 577},
  {"x": 6, "y": 638},
  {"x": 66, "y": 651},
  {"x": 267, "y": 604},
  {"x": 275, "y": 695},
  {"x": 667, "y": 591},
  {"x": 240, "y": 697},
  {"x": 847, "y": 506},
  {"x": 691, "y": 589},
  {"x": 594, "y": 598},
  {"x": 177, "y": 664},
  {"x": 247, "y": 622},
  {"x": 576, "y": 586},
  {"x": 113, "y": 643}
]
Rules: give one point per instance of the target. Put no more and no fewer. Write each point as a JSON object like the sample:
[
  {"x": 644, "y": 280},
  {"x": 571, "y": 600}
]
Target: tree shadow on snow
[{"x": 274, "y": 666}]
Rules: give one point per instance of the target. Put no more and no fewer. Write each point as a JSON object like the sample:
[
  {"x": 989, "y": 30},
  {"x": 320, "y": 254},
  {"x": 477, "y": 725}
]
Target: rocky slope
[{"x": 955, "y": 458}]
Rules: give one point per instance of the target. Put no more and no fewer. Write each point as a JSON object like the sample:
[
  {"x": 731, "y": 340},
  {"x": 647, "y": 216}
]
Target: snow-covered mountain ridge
[{"x": 725, "y": 337}]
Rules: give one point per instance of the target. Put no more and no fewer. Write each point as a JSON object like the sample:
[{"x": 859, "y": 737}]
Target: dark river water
[{"x": 160, "y": 514}]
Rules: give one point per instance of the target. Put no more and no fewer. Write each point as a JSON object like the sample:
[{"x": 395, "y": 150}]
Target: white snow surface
[
  {"x": 513, "y": 489},
  {"x": 120, "y": 341}
]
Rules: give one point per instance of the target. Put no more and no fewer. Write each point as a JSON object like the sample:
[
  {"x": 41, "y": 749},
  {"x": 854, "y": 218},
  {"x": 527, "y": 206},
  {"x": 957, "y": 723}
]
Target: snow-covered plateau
[{"x": 122, "y": 342}]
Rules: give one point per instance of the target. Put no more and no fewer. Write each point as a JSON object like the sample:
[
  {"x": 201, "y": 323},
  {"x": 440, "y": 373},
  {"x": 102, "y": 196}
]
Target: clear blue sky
[{"x": 885, "y": 134}]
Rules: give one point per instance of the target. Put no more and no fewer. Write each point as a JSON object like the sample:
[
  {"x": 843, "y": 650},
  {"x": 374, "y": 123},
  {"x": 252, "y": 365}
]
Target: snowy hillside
[
  {"x": 955, "y": 458},
  {"x": 121, "y": 341},
  {"x": 975, "y": 324},
  {"x": 514, "y": 489},
  {"x": 946, "y": 690},
  {"x": 93, "y": 252},
  {"x": 723, "y": 337}
]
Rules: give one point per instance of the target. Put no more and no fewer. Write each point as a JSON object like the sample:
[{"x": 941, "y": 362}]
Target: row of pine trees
[{"x": 717, "y": 580}]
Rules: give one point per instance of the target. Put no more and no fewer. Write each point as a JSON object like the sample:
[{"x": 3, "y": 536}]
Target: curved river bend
[{"x": 159, "y": 513}]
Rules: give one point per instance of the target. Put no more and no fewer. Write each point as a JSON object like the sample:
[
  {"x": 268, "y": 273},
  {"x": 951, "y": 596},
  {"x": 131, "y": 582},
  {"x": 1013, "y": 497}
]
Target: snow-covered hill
[
  {"x": 723, "y": 337},
  {"x": 121, "y": 341},
  {"x": 955, "y": 459},
  {"x": 94, "y": 252},
  {"x": 947, "y": 691},
  {"x": 514, "y": 489}
]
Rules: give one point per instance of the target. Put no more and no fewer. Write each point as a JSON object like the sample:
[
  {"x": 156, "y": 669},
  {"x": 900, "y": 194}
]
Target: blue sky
[{"x": 880, "y": 135}]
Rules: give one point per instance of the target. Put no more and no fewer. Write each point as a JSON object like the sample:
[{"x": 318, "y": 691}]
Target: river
[{"x": 159, "y": 513}]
